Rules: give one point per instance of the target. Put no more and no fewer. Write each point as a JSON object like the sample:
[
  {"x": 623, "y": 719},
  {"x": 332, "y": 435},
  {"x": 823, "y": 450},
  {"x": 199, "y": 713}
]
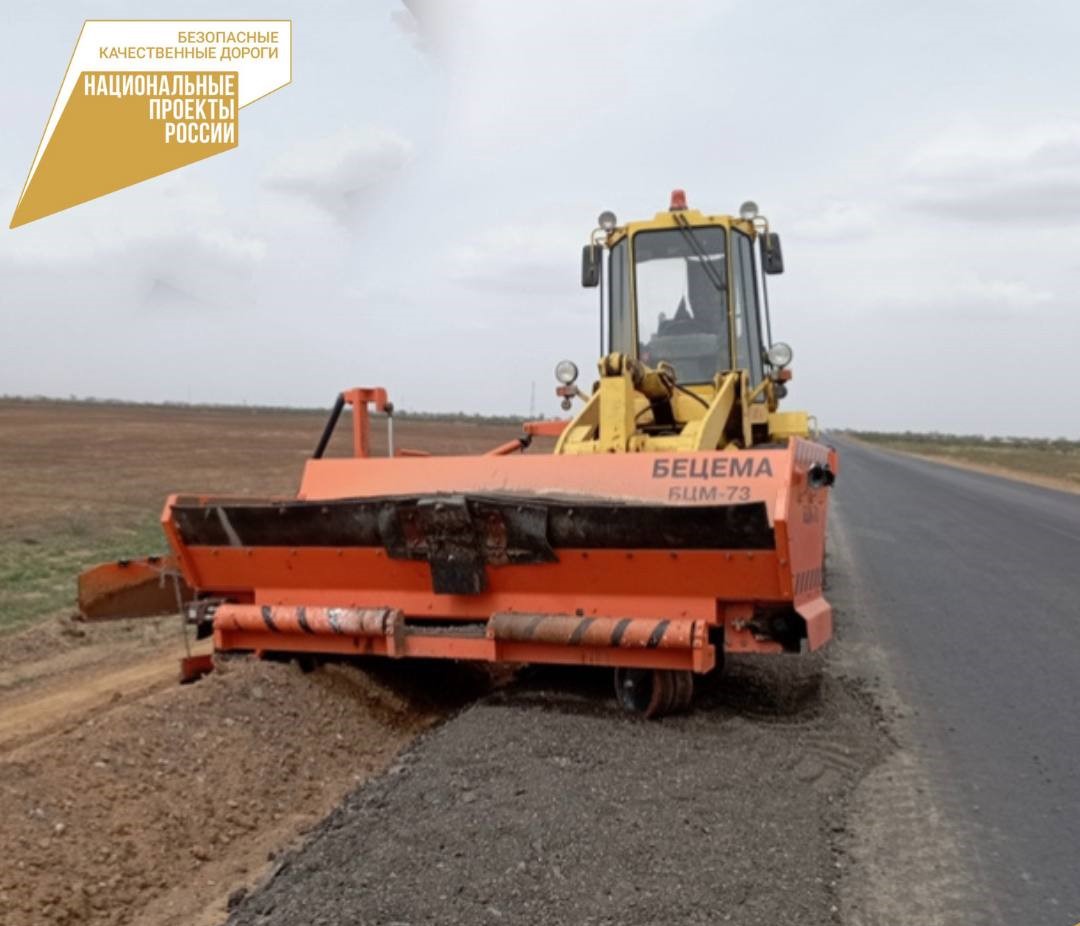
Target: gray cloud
[
  {"x": 517, "y": 259},
  {"x": 175, "y": 252},
  {"x": 424, "y": 22},
  {"x": 209, "y": 270},
  {"x": 1014, "y": 174},
  {"x": 167, "y": 274},
  {"x": 835, "y": 221},
  {"x": 339, "y": 173}
]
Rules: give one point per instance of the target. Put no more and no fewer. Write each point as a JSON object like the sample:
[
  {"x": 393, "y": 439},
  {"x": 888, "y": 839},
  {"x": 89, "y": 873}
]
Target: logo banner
[{"x": 144, "y": 97}]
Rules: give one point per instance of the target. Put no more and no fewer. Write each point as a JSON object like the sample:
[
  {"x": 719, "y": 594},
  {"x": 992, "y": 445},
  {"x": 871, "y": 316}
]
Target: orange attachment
[
  {"x": 639, "y": 560},
  {"x": 647, "y": 562},
  {"x": 552, "y": 428},
  {"x": 145, "y": 587},
  {"x": 360, "y": 399},
  {"x": 506, "y": 637},
  {"x": 511, "y": 446},
  {"x": 192, "y": 668}
]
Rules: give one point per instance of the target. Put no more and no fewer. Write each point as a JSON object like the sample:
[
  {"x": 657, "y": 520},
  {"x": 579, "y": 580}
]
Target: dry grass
[
  {"x": 85, "y": 483},
  {"x": 1057, "y": 460}
]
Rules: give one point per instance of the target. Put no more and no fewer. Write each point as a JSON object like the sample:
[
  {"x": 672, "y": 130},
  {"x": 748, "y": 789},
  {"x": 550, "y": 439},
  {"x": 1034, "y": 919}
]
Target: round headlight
[
  {"x": 607, "y": 220},
  {"x": 748, "y": 210},
  {"x": 566, "y": 372},
  {"x": 779, "y": 354}
]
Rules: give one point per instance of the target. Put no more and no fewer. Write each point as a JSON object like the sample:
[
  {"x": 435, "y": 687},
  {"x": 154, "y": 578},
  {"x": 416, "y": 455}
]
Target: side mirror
[
  {"x": 590, "y": 265},
  {"x": 772, "y": 258}
]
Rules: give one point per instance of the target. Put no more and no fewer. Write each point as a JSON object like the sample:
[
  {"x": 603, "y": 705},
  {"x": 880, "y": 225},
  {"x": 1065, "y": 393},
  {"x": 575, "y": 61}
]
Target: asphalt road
[{"x": 970, "y": 584}]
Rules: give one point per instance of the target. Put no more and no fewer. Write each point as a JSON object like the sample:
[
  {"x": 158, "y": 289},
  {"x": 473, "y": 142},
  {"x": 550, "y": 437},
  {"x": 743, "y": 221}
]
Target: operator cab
[{"x": 683, "y": 289}]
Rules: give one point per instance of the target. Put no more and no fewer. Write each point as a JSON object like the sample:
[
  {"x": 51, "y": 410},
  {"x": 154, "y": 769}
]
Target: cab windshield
[{"x": 682, "y": 285}]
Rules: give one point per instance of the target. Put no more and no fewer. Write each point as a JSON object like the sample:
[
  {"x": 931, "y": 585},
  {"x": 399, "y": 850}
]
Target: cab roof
[{"x": 667, "y": 219}]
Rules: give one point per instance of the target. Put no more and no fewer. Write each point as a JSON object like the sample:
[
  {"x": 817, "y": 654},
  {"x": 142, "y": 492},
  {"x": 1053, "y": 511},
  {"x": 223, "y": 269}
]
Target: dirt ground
[{"x": 127, "y": 798}]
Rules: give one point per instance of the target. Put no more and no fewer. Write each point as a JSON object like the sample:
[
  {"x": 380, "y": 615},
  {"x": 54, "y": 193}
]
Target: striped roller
[{"x": 568, "y": 630}]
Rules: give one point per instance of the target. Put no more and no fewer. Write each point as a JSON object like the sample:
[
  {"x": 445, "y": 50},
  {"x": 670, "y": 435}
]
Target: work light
[
  {"x": 748, "y": 210},
  {"x": 566, "y": 372},
  {"x": 779, "y": 354}
]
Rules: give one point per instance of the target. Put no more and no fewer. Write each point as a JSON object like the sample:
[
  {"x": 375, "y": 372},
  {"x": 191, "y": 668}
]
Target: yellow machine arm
[{"x": 635, "y": 408}]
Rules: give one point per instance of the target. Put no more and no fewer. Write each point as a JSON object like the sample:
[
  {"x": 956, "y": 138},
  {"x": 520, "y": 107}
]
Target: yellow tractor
[{"x": 690, "y": 365}]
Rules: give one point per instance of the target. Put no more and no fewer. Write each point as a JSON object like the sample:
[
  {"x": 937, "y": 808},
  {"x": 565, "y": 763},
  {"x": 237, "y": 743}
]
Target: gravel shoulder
[{"x": 542, "y": 803}]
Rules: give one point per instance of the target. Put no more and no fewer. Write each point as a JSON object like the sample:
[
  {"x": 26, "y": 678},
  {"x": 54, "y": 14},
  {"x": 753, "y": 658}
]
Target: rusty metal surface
[
  {"x": 351, "y": 622},
  {"x": 147, "y": 587},
  {"x": 572, "y": 523},
  {"x": 192, "y": 668}
]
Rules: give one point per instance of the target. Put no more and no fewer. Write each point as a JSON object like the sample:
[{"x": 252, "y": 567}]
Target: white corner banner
[{"x": 143, "y": 97}]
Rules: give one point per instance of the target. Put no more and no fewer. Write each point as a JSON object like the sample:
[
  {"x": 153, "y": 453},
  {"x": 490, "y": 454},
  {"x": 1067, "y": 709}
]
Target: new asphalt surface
[{"x": 971, "y": 585}]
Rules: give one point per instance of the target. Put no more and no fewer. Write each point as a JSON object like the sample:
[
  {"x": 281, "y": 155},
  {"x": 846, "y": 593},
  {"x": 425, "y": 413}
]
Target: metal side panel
[{"x": 460, "y": 536}]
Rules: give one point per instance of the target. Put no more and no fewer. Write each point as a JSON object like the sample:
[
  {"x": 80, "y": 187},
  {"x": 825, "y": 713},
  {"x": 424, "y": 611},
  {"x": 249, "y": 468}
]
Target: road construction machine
[{"x": 680, "y": 516}]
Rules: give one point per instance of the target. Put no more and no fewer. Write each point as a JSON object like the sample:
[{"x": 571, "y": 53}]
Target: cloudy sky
[{"x": 410, "y": 211}]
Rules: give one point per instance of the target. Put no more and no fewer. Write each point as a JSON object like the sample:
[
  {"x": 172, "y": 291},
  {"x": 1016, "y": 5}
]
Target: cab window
[{"x": 680, "y": 279}]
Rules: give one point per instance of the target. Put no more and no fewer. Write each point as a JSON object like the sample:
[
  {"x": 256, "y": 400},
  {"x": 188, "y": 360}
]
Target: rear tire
[
  {"x": 683, "y": 689},
  {"x": 653, "y": 692}
]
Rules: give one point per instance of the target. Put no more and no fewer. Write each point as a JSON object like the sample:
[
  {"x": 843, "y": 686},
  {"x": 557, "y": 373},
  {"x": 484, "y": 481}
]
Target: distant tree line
[
  {"x": 1057, "y": 444},
  {"x": 452, "y": 417}
]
